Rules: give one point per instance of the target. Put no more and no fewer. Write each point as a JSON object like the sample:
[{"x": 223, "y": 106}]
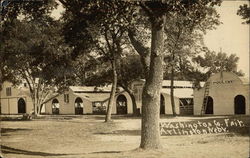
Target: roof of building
[
  {"x": 228, "y": 76},
  {"x": 94, "y": 97},
  {"x": 52, "y": 96},
  {"x": 89, "y": 88},
  {"x": 244, "y": 80},
  {"x": 180, "y": 92},
  {"x": 178, "y": 83},
  {"x": 81, "y": 89}
]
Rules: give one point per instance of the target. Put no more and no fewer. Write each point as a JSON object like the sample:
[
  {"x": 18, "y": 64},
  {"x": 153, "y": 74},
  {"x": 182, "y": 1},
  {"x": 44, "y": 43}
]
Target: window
[
  {"x": 99, "y": 108},
  {"x": 8, "y": 91},
  {"x": 66, "y": 98}
]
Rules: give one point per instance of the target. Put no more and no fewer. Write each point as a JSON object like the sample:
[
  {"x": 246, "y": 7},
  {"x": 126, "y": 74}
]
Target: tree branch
[
  {"x": 146, "y": 9},
  {"x": 143, "y": 51}
]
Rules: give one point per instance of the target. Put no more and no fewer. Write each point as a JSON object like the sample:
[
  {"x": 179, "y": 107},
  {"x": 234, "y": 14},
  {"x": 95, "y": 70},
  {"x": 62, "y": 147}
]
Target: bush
[{"x": 26, "y": 117}]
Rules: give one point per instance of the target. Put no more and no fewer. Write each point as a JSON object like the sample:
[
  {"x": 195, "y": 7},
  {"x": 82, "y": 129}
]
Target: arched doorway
[
  {"x": 121, "y": 105},
  {"x": 78, "y": 106},
  {"x": 21, "y": 106},
  {"x": 162, "y": 105},
  {"x": 210, "y": 106},
  {"x": 55, "y": 106},
  {"x": 239, "y": 104}
]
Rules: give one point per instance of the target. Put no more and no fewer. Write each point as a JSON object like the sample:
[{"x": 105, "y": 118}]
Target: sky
[{"x": 232, "y": 37}]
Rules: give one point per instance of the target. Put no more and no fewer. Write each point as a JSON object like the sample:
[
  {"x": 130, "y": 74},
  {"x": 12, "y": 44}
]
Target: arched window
[
  {"x": 162, "y": 105},
  {"x": 121, "y": 104},
  {"x": 78, "y": 106},
  {"x": 21, "y": 106},
  {"x": 239, "y": 104},
  {"x": 210, "y": 106},
  {"x": 55, "y": 106}
]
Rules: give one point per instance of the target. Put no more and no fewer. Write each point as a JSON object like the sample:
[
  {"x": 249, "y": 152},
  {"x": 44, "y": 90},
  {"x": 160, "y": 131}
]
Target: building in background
[
  {"x": 183, "y": 96},
  {"x": 15, "y": 99},
  {"x": 80, "y": 100},
  {"x": 226, "y": 93}
]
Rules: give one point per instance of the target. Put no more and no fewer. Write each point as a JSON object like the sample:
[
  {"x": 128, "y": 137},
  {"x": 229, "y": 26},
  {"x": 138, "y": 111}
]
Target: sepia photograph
[{"x": 124, "y": 79}]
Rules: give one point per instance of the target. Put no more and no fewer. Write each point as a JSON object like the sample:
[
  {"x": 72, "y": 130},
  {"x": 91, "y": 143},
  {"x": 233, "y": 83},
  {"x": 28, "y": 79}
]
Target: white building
[
  {"x": 88, "y": 100},
  {"x": 183, "y": 96},
  {"x": 227, "y": 94},
  {"x": 15, "y": 100}
]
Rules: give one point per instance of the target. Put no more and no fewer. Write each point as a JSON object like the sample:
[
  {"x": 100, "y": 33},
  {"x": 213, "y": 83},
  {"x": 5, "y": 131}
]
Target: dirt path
[{"x": 88, "y": 136}]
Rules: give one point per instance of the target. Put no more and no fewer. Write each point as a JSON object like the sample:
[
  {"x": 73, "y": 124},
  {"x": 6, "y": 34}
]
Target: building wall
[
  {"x": 137, "y": 87},
  {"x": 129, "y": 103},
  {"x": 69, "y": 108},
  {"x": 9, "y": 104},
  {"x": 168, "y": 106},
  {"x": 223, "y": 89}
]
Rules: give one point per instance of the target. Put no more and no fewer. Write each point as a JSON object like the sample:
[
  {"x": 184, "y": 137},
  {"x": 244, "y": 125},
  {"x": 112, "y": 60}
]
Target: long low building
[
  {"x": 183, "y": 96},
  {"x": 88, "y": 100},
  {"x": 225, "y": 93},
  {"x": 94, "y": 100}
]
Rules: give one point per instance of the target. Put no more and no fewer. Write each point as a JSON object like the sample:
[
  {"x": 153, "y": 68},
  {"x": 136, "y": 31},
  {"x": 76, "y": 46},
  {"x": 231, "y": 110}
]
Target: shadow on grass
[
  {"x": 105, "y": 152},
  {"x": 9, "y": 150},
  {"x": 5, "y": 131},
  {"x": 122, "y": 132},
  {"x": 115, "y": 117}
]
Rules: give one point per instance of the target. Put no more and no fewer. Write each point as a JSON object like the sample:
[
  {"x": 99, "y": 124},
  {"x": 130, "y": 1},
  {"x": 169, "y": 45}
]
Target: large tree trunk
[
  {"x": 150, "y": 130},
  {"x": 172, "y": 90},
  {"x": 113, "y": 91}
]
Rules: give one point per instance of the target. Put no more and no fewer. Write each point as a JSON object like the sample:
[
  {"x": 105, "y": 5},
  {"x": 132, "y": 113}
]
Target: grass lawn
[{"x": 88, "y": 137}]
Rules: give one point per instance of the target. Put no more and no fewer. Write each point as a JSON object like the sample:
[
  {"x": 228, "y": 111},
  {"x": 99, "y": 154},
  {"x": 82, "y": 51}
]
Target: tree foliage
[
  {"x": 30, "y": 45},
  {"x": 244, "y": 12},
  {"x": 109, "y": 19},
  {"x": 128, "y": 70},
  {"x": 97, "y": 26},
  {"x": 213, "y": 62},
  {"x": 29, "y": 9}
]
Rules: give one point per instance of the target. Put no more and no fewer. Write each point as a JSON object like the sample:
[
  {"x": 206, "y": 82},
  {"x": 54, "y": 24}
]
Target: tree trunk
[
  {"x": 150, "y": 130},
  {"x": 142, "y": 50},
  {"x": 113, "y": 91},
  {"x": 34, "y": 105},
  {"x": 38, "y": 109},
  {"x": 1, "y": 74},
  {"x": 172, "y": 90}
]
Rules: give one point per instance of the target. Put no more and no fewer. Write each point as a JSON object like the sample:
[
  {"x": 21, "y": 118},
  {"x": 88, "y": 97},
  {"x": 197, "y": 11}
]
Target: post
[{"x": 9, "y": 106}]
